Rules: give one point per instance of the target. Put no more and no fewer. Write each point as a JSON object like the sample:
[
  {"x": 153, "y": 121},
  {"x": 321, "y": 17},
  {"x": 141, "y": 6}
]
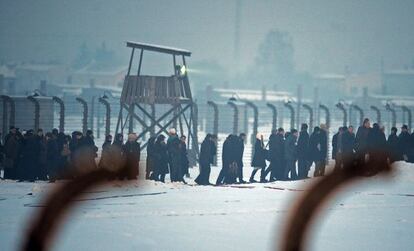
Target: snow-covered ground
[{"x": 375, "y": 215}]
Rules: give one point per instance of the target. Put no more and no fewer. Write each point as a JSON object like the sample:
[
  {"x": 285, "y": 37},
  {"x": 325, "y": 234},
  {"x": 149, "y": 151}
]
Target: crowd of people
[
  {"x": 290, "y": 155},
  {"x": 30, "y": 155}
]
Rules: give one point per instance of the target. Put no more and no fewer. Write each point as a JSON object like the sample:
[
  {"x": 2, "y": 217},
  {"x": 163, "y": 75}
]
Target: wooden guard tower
[{"x": 171, "y": 93}]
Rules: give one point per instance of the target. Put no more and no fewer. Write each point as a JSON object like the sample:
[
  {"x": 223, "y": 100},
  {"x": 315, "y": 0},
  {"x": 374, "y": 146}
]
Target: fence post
[
  {"x": 36, "y": 113},
  {"x": 216, "y": 116},
  {"x": 393, "y": 115},
  {"x": 274, "y": 115},
  {"x": 85, "y": 114},
  {"x": 108, "y": 115},
  {"x": 341, "y": 107},
  {"x": 408, "y": 111},
  {"x": 378, "y": 112},
  {"x": 8, "y": 100},
  {"x": 292, "y": 114},
  {"x": 310, "y": 110},
  {"x": 255, "y": 120},
  {"x": 235, "y": 117},
  {"x": 361, "y": 113},
  {"x": 61, "y": 113},
  {"x": 327, "y": 115}
]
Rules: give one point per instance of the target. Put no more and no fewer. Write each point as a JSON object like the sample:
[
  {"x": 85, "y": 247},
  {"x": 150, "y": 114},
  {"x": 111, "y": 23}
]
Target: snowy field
[{"x": 375, "y": 215}]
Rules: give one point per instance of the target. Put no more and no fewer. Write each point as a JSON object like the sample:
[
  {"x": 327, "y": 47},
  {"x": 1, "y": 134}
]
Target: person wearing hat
[
  {"x": 404, "y": 143},
  {"x": 207, "y": 152},
  {"x": 11, "y": 150},
  {"x": 132, "y": 151},
  {"x": 276, "y": 158},
  {"x": 160, "y": 159},
  {"x": 361, "y": 140},
  {"x": 377, "y": 148},
  {"x": 240, "y": 151},
  {"x": 291, "y": 155},
  {"x": 173, "y": 146},
  {"x": 323, "y": 150},
  {"x": 259, "y": 159},
  {"x": 392, "y": 145},
  {"x": 303, "y": 152}
]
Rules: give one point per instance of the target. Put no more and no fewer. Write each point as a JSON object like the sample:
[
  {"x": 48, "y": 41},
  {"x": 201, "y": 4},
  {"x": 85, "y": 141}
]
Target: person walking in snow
[
  {"x": 259, "y": 159},
  {"x": 207, "y": 153},
  {"x": 290, "y": 151},
  {"x": 303, "y": 152}
]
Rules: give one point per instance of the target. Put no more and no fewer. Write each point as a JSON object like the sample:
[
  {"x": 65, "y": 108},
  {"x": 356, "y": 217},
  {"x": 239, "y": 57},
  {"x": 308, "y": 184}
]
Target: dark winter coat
[
  {"x": 361, "y": 139},
  {"x": 404, "y": 142},
  {"x": 161, "y": 157},
  {"x": 260, "y": 154},
  {"x": 377, "y": 146},
  {"x": 132, "y": 151},
  {"x": 52, "y": 158},
  {"x": 393, "y": 148},
  {"x": 324, "y": 144},
  {"x": 11, "y": 150},
  {"x": 315, "y": 153},
  {"x": 291, "y": 148},
  {"x": 348, "y": 143},
  {"x": 230, "y": 152},
  {"x": 335, "y": 145},
  {"x": 173, "y": 146},
  {"x": 150, "y": 155},
  {"x": 239, "y": 150},
  {"x": 207, "y": 152},
  {"x": 276, "y": 147},
  {"x": 184, "y": 157},
  {"x": 29, "y": 158},
  {"x": 303, "y": 146}
]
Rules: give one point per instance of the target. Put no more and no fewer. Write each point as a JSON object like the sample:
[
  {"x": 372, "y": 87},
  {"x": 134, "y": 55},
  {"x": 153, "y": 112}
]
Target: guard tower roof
[{"x": 159, "y": 48}]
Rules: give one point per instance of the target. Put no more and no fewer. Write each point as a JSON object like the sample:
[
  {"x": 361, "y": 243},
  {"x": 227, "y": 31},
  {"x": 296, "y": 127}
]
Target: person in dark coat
[
  {"x": 335, "y": 143},
  {"x": 11, "y": 154},
  {"x": 290, "y": 150},
  {"x": 276, "y": 155},
  {"x": 376, "y": 147},
  {"x": 52, "y": 156},
  {"x": 259, "y": 159},
  {"x": 207, "y": 153},
  {"x": 393, "y": 147},
  {"x": 361, "y": 141},
  {"x": 29, "y": 157},
  {"x": 107, "y": 142},
  {"x": 86, "y": 152},
  {"x": 303, "y": 152},
  {"x": 323, "y": 151},
  {"x": 404, "y": 143},
  {"x": 132, "y": 151},
  {"x": 74, "y": 146},
  {"x": 173, "y": 146},
  {"x": 65, "y": 153},
  {"x": 228, "y": 172},
  {"x": 315, "y": 153},
  {"x": 184, "y": 158},
  {"x": 347, "y": 147},
  {"x": 106, "y": 152},
  {"x": 149, "y": 168},
  {"x": 41, "y": 165},
  {"x": 89, "y": 142},
  {"x": 161, "y": 159},
  {"x": 240, "y": 152}
]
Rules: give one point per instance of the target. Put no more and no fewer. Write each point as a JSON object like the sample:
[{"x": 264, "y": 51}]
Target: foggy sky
[{"x": 327, "y": 34}]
